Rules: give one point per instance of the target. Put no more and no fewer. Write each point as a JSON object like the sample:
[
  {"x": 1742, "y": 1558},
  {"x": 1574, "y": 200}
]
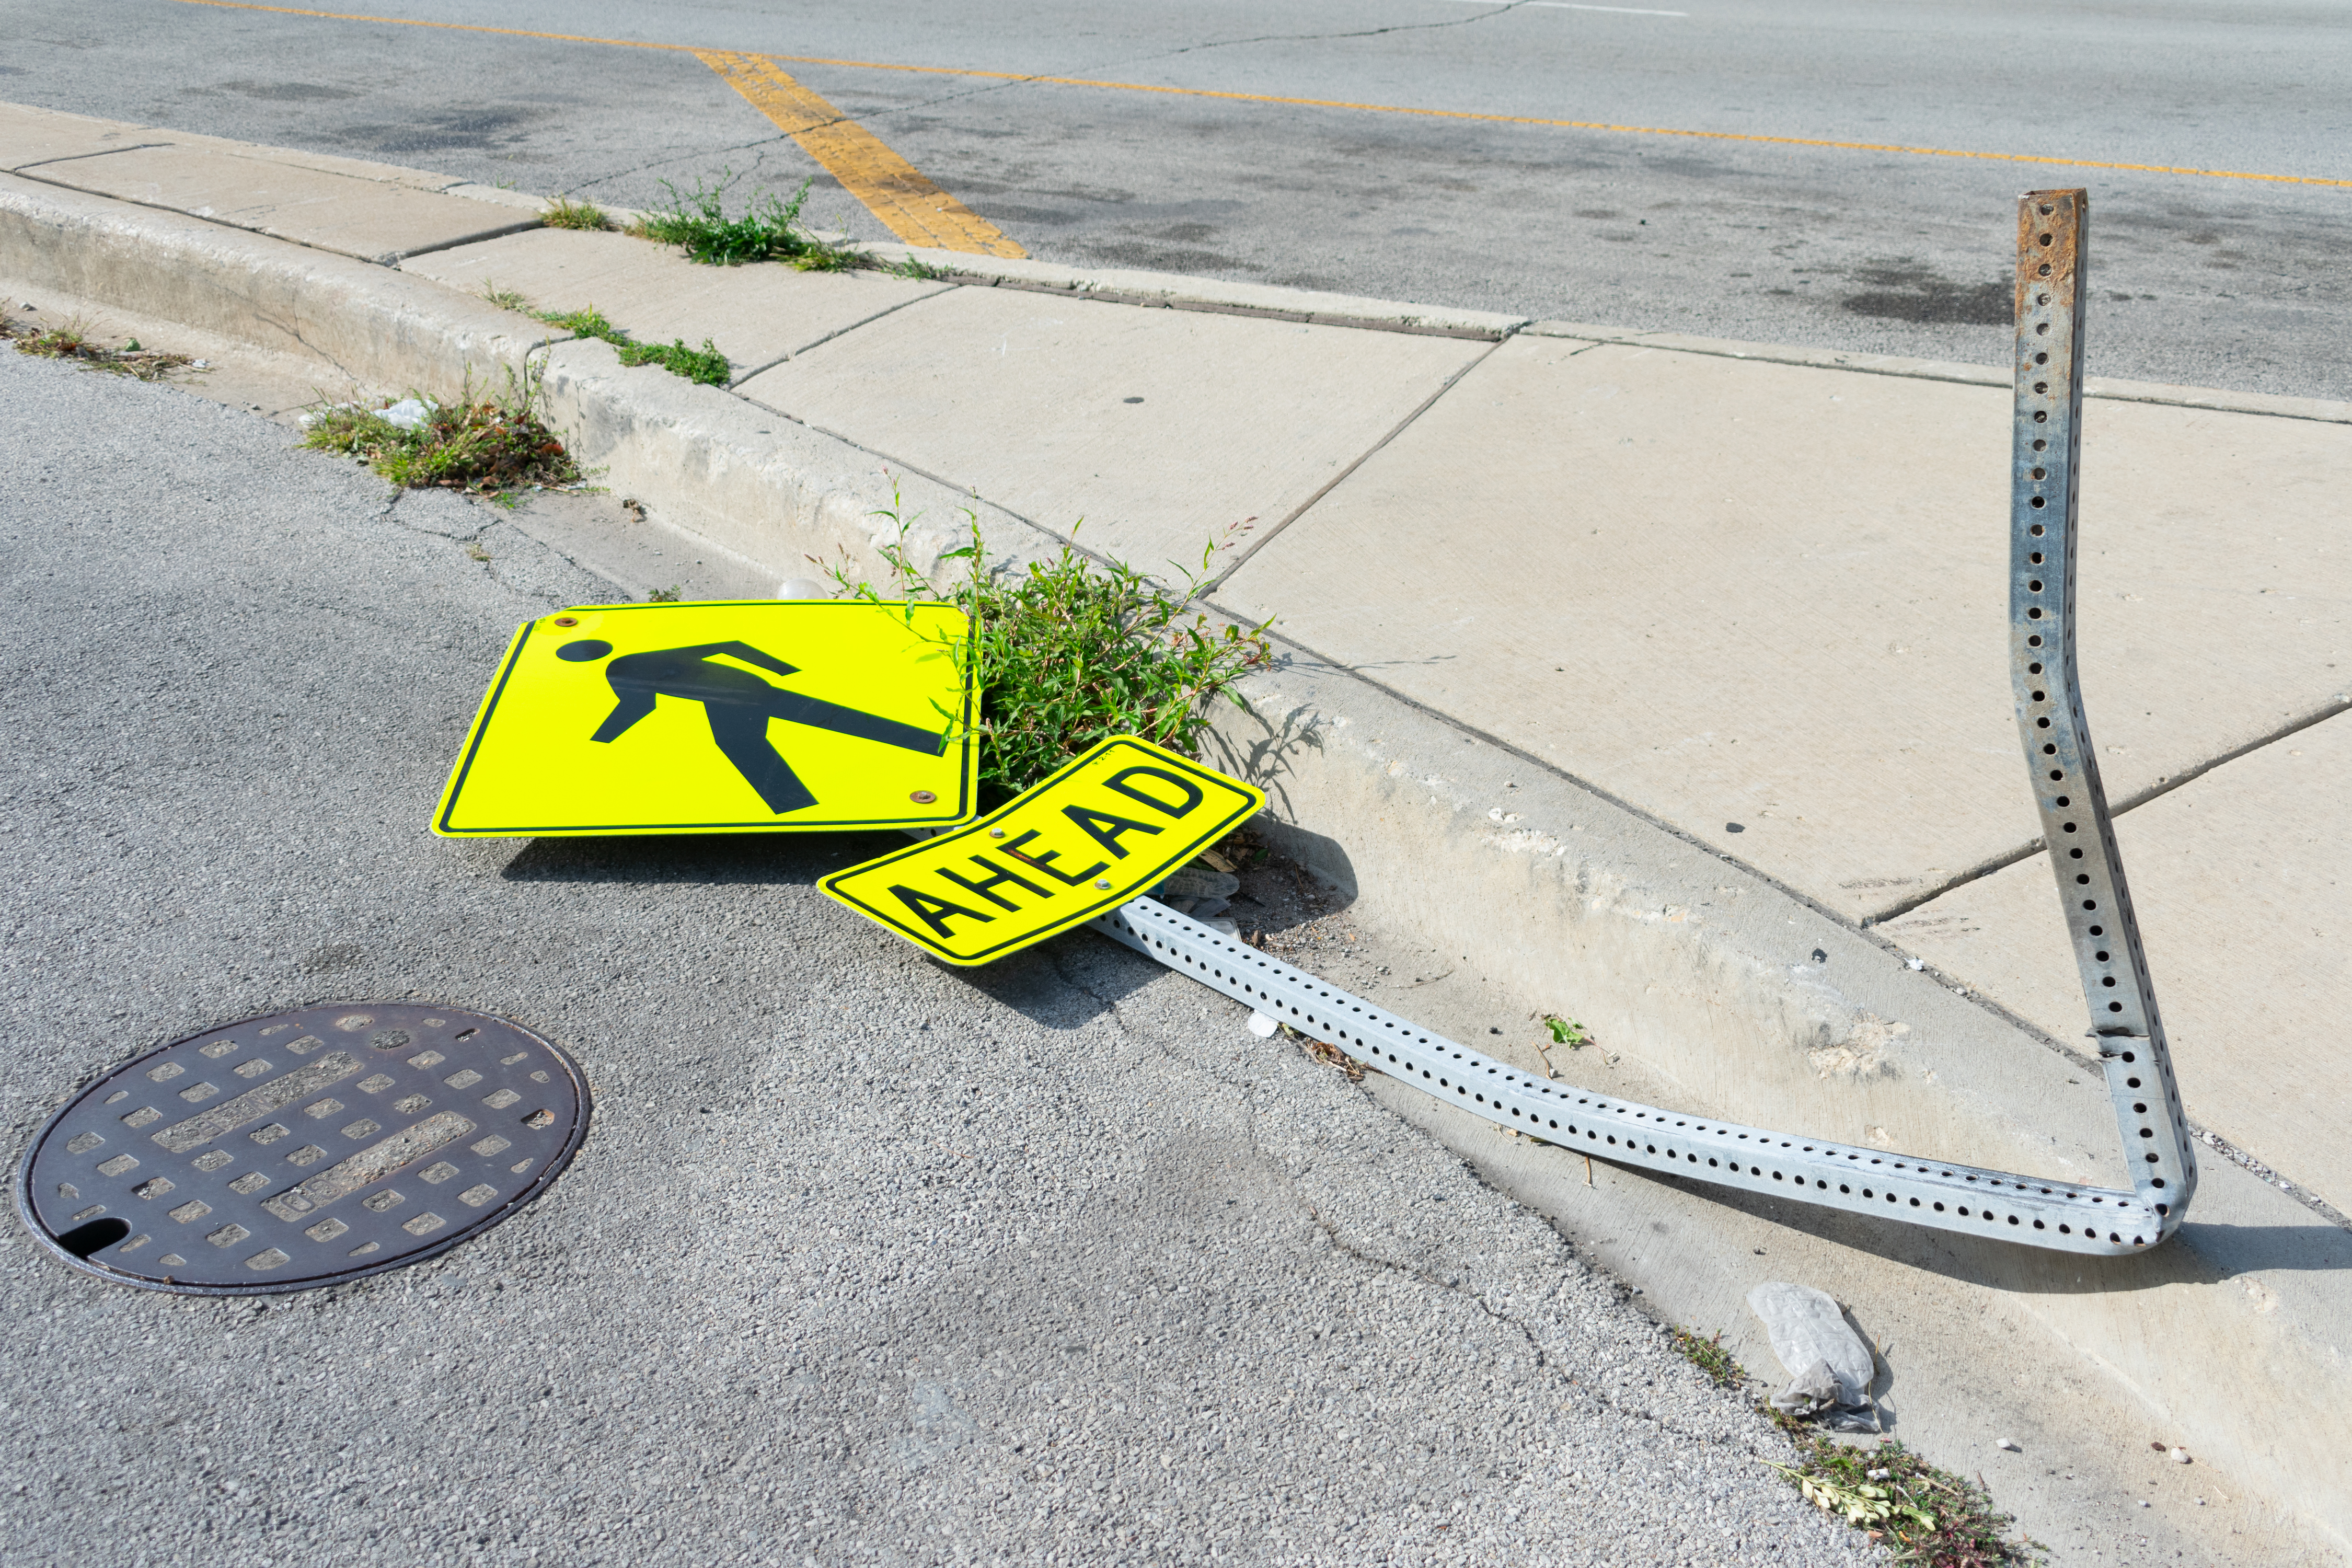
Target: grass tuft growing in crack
[
  {"x": 768, "y": 230},
  {"x": 908, "y": 267},
  {"x": 1711, "y": 1357},
  {"x": 565, "y": 212},
  {"x": 704, "y": 365},
  {"x": 1071, "y": 652},
  {"x": 72, "y": 341},
  {"x": 479, "y": 445}
]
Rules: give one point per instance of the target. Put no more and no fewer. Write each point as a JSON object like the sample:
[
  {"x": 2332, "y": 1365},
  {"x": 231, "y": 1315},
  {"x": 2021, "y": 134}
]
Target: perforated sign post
[
  {"x": 1109, "y": 825},
  {"x": 722, "y": 718},
  {"x": 2065, "y": 1216}
]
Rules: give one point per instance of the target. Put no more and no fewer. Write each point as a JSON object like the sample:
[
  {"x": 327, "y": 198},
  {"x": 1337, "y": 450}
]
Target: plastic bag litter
[
  {"x": 1832, "y": 1368},
  {"x": 407, "y": 414}
]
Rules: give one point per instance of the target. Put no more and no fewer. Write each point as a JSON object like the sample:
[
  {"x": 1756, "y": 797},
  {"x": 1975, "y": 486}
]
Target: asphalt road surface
[
  {"x": 2232, "y": 281},
  {"x": 864, "y": 1261}
]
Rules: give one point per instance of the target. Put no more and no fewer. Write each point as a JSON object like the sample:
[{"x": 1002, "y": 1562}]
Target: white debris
[
  {"x": 1915, "y": 963},
  {"x": 1262, "y": 1027},
  {"x": 407, "y": 414},
  {"x": 803, "y": 588},
  {"x": 2005, "y": 1442},
  {"x": 1832, "y": 1368},
  {"x": 2180, "y": 1455}
]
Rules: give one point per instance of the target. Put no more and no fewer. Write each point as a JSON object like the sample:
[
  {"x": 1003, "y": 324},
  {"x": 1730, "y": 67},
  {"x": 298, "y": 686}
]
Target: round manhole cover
[{"x": 303, "y": 1149}]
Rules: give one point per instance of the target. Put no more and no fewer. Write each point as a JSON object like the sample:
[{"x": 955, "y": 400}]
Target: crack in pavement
[
  {"x": 1328, "y": 38},
  {"x": 1275, "y": 1165}
]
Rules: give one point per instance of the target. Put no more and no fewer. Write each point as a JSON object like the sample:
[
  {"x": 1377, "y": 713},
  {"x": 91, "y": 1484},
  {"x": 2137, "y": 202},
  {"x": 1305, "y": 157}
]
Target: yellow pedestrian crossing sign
[
  {"x": 762, "y": 716},
  {"x": 1109, "y": 825}
]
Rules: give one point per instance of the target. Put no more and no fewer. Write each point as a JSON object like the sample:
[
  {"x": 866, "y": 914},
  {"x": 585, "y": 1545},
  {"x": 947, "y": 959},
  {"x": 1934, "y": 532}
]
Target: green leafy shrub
[
  {"x": 769, "y": 231},
  {"x": 481, "y": 445},
  {"x": 1070, "y": 652}
]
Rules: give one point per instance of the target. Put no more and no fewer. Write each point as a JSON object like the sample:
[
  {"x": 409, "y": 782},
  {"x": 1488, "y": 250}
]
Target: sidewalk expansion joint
[
  {"x": 1217, "y": 307},
  {"x": 1263, "y": 540},
  {"x": 25, "y": 171},
  {"x": 389, "y": 260},
  {"x": 2319, "y": 411},
  {"x": 737, "y": 380},
  {"x": 2340, "y": 703}
]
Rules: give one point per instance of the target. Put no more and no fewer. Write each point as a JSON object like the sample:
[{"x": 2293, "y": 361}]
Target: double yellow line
[
  {"x": 893, "y": 190},
  {"x": 794, "y": 102}
]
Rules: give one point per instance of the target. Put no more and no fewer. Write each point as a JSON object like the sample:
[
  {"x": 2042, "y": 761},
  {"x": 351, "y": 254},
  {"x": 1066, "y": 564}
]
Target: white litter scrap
[
  {"x": 408, "y": 412},
  {"x": 1832, "y": 1368}
]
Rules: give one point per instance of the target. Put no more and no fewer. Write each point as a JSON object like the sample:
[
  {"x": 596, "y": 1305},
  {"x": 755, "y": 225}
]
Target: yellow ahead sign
[
  {"x": 1111, "y": 825},
  {"x": 722, "y": 718}
]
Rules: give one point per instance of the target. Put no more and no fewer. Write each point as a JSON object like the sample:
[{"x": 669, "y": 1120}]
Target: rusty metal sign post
[
  {"x": 2052, "y": 229},
  {"x": 2063, "y": 1216}
]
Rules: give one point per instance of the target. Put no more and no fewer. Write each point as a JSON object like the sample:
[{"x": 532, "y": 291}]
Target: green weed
[
  {"x": 663, "y": 595},
  {"x": 588, "y": 322},
  {"x": 506, "y": 299},
  {"x": 705, "y": 365},
  {"x": 565, "y": 212},
  {"x": 1567, "y": 1032},
  {"x": 480, "y": 446},
  {"x": 1069, "y": 653},
  {"x": 1925, "y": 1517},
  {"x": 769, "y": 230}
]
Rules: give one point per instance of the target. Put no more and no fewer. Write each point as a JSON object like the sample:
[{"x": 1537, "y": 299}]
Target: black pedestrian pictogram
[{"x": 739, "y": 705}]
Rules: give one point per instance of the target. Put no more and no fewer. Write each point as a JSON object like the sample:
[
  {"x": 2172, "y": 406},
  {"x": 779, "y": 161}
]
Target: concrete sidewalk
[{"x": 1750, "y": 596}]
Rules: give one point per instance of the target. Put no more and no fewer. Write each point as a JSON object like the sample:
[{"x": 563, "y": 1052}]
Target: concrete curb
[
  {"x": 1171, "y": 290},
  {"x": 1732, "y": 997},
  {"x": 752, "y": 481},
  {"x": 1727, "y": 998},
  {"x": 359, "y": 323}
]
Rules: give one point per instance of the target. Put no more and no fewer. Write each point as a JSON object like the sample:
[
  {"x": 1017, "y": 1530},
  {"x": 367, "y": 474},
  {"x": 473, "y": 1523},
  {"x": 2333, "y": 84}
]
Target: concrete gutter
[{"x": 1719, "y": 991}]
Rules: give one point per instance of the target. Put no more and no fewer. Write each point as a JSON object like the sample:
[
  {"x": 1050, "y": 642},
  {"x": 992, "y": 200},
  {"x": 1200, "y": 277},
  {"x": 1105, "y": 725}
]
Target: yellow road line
[
  {"x": 893, "y": 190},
  {"x": 1333, "y": 103}
]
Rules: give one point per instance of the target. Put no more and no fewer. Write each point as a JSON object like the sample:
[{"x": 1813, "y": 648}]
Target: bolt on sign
[
  {"x": 722, "y": 718},
  {"x": 1109, "y": 825}
]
